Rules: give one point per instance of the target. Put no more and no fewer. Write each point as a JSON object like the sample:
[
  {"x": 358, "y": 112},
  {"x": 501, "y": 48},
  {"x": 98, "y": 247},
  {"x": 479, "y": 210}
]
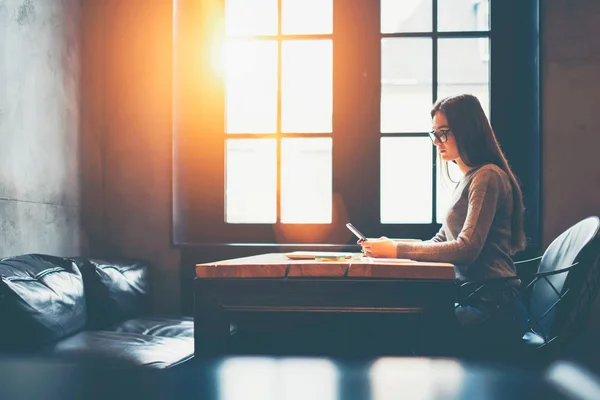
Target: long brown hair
[{"x": 477, "y": 145}]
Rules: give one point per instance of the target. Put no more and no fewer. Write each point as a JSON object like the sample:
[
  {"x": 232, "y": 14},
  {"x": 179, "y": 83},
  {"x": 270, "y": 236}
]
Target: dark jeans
[{"x": 491, "y": 322}]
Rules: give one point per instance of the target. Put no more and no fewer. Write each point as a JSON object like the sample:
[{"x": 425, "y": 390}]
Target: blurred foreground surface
[{"x": 281, "y": 378}]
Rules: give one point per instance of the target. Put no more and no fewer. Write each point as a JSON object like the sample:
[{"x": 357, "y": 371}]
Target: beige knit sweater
[{"x": 476, "y": 233}]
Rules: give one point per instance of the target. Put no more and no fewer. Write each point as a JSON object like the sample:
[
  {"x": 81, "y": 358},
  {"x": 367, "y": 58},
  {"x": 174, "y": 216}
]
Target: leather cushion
[
  {"x": 163, "y": 326},
  {"x": 123, "y": 349},
  {"x": 116, "y": 290},
  {"x": 41, "y": 300},
  {"x": 159, "y": 326}
]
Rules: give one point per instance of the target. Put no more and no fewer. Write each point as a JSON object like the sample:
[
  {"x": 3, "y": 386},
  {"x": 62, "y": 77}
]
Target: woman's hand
[{"x": 379, "y": 248}]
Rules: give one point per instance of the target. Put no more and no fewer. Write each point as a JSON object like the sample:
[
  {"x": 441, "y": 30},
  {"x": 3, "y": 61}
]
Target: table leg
[{"x": 211, "y": 327}]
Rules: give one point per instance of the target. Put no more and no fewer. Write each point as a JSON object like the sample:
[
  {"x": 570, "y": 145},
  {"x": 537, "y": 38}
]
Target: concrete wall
[
  {"x": 127, "y": 47},
  {"x": 39, "y": 127},
  {"x": 571, "y": 91}
]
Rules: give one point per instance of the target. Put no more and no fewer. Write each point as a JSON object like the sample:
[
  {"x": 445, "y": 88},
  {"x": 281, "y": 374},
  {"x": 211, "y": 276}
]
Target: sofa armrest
[{"x": 41, "y": 301}]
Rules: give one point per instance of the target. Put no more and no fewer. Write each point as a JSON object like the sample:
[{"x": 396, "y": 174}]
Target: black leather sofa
[{"x": 87, "y": 310}]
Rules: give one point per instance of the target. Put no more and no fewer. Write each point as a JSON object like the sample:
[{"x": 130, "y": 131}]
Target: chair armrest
[
  {"x": 525, "y": 268},
  {"x": 536, "y": 276},
  {"x": 508, "y": 278},
  {"x": 489, "y": 280},
  {"x": 483, "y": 282},
  {"x": 522, "y": 262}
]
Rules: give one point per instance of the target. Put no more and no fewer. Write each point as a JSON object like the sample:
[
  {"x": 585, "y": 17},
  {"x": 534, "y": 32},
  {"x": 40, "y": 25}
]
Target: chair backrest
[{"x": 565, "y": 250}]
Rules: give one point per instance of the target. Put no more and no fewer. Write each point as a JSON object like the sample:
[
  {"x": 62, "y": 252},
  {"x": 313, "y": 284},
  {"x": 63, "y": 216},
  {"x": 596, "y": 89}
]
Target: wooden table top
[{"x": 277, "y": 265}]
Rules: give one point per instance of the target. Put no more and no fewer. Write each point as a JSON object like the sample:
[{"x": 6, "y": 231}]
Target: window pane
[
  {"x": 251, "y": 17},
  {"x": 251, "y": 86},
  {"x": 470, "y": 75},
  {"x": 406, "y": 179},
  {"x": 463, "y": 15},
  {"x": 251, "y": 181},
  {"x": 306, "y": 180},
  {"x": 405, "y": 16},
  {"x": 445, "y": 189},
  {"x": 406, "y": 98},
  {"x": 306, "y": 86},
  {"x": 306, "y": 17}
]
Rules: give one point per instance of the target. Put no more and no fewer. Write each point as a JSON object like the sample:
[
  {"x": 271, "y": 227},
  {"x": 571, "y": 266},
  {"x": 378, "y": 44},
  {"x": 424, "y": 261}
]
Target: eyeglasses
[{"x": 441, "y": 135}]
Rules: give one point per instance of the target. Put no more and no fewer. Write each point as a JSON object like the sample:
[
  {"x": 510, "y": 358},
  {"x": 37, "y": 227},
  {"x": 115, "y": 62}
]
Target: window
[
  {"x": 279, "y": 110},
  {"x": 321, "y": 118},
  {"x": 429, "y": 50}
]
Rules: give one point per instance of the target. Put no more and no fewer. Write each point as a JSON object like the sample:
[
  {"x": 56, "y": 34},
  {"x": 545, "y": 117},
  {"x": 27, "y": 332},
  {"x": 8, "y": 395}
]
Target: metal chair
[{"x": 558, "y": 297}]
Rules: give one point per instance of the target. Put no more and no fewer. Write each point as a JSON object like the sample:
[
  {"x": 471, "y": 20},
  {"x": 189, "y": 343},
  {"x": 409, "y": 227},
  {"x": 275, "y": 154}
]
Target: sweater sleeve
[{"x": 483, "y": 195}]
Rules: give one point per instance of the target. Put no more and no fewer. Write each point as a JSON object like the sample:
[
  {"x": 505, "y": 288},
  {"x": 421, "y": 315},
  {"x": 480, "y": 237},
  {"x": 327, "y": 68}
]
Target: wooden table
[{"x": 272, "y": 283}]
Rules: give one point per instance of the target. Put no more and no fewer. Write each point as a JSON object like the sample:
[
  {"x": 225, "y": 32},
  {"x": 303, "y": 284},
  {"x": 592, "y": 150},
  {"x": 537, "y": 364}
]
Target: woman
[{"x": 483, "y": 227}]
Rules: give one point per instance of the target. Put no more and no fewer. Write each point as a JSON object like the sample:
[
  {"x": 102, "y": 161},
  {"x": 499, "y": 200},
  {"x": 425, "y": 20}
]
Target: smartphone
[{"x": 358, "y": 234}]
